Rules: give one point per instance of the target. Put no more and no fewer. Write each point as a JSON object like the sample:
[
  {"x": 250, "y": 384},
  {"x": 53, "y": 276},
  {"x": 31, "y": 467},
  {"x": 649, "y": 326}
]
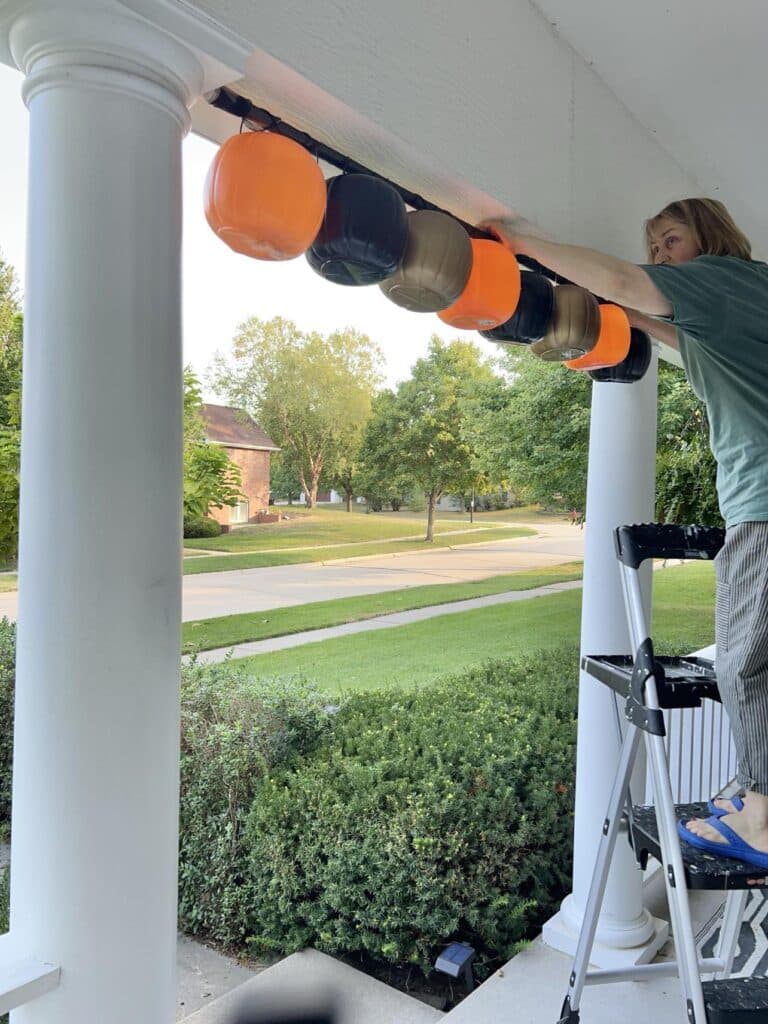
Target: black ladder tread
[
  {"x": 702, "y": 870},
  {"x": 736, "y": 1001}
]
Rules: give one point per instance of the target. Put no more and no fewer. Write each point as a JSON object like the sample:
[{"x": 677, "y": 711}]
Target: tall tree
[
  {"x": 11, "y": 333},
  {"x": 311, "y": 393},
  {"x": 418, "y": 433},
  {"x": 534, "y": 430},
  {"x": 210, "y": 478}
]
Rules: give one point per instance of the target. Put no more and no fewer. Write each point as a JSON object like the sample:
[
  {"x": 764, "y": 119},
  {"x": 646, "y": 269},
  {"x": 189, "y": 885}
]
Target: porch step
[
  {"x": 702, "y": 870},
  {"x": 362, "y": 999},
  {"x": 736, "y": 1001}
]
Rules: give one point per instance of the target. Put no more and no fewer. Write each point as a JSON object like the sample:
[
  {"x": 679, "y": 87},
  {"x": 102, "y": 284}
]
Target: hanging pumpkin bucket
[
  {"x": 264, "y": 196},
  {"x": 612, "y": 345},
  {"x": 633, "y": 367},
  {"x": 492, "y": 290},
  {"x": 574, "y": 328},
  {"x": 533, "y": 316},
  {"x": 364, "y": 232},
  {"x": 436, "y": 265}
]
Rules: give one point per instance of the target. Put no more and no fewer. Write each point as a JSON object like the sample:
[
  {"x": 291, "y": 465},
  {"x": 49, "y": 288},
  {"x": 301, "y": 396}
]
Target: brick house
[{"x": 249, "y": 448}]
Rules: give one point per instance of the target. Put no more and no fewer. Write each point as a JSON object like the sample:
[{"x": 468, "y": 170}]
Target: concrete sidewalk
[{"x": 279, "y": 643}]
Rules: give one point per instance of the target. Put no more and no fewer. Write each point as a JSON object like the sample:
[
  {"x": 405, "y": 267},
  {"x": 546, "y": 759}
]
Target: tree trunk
[
  {"x": 431, "y": 506},
  {"x": 348, "y": 496}
]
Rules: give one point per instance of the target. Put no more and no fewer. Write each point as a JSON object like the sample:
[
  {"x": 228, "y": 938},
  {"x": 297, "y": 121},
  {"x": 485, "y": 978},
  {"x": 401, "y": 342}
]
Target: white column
[
  {"x": 94, "y": 847},
  {"x": 620, "y": 489}
]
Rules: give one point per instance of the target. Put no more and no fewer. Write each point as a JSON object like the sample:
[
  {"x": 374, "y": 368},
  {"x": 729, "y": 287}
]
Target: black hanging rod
[{"x": 263, "y": 120}]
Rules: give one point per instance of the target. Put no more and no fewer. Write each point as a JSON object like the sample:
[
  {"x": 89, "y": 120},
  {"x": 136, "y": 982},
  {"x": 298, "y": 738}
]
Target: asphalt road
[{"x": 207, "y": 595}]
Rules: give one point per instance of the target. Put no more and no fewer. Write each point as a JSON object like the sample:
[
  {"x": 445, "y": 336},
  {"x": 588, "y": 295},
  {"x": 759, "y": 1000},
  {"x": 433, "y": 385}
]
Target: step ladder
[{"x": 649, "y": 684}]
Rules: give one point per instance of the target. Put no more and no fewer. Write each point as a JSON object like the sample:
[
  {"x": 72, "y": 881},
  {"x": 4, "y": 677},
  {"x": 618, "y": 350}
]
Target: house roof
[{"x": 234, "y": 428}]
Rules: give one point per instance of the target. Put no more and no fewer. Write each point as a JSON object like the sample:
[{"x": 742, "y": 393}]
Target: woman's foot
[{"x": 749, "y": 824}]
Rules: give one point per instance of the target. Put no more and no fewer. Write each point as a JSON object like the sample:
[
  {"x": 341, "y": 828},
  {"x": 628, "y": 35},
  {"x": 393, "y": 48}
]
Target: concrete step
[{"x": 360, "y": 998}]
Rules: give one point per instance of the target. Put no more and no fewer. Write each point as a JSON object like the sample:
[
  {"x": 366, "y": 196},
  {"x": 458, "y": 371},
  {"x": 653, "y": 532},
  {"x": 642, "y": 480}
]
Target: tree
[
  {"x": 11, "y": 334},
  {"x": 417, "y": 434},
  {"x": 311, "y": 393},
  {"x": 210, "y": 479},
  {"x": 534, "y": 431},
  {"x": 284, "y": 481},
  {"x": 686, "y": 470}
]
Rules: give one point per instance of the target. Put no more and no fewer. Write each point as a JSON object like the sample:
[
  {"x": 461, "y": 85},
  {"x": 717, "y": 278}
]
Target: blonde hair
[{"x": 711, "y": 225}]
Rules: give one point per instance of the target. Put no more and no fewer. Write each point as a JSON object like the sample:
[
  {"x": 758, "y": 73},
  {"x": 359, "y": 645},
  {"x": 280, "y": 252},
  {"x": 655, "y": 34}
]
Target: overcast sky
[{"x": 220, "y": 287}]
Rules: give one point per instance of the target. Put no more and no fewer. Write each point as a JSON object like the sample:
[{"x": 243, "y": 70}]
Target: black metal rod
[{"x": 258, "y": 117}]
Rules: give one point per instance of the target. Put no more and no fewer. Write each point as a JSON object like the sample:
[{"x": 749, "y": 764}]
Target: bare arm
[
  {"x": 617, "y": 280},
  {"x": 656, "y": 328}
]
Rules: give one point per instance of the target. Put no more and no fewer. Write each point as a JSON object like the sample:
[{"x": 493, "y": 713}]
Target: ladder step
[
  {"x": 736, "y": 1001},
  {"x": 702, "y": 870}
]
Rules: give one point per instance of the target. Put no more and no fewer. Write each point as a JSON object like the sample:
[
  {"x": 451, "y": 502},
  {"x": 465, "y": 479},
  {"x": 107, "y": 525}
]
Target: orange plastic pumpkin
[
  {"x": 492, "y": 292},
  {"x": 265, "y": 196},
  {"x": 612, "y": 343}
]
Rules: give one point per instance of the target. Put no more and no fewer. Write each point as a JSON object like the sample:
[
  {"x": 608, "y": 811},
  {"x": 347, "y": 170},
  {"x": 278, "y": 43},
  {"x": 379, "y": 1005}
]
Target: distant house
[{"x": 249, "y": 448}]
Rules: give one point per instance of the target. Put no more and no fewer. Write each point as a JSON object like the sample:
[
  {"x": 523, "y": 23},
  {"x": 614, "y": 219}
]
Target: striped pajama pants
[{"x": 741, "y": 633}]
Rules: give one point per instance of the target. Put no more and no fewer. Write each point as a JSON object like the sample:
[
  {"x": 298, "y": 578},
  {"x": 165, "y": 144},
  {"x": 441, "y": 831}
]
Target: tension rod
[{"x": 263, "y": 120}]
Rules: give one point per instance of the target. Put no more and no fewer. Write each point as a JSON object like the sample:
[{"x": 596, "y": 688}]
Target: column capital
[{"x": 98, "y": 44}]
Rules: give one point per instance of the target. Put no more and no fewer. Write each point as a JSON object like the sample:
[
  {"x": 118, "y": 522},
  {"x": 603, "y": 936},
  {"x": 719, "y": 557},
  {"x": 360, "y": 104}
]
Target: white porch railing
[{"x": 22, "y": 978}]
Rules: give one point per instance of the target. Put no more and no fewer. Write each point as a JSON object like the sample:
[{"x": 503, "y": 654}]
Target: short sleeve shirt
[{"x": 720, "y": 310}]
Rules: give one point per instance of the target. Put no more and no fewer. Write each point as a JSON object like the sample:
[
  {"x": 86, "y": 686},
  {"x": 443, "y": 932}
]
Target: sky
[{"x": 222, "y": 288}]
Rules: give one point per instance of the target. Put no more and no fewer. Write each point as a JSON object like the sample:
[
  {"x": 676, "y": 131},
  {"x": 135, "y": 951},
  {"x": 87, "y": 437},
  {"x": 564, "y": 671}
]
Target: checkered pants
[{"x": 741, "y": 632}]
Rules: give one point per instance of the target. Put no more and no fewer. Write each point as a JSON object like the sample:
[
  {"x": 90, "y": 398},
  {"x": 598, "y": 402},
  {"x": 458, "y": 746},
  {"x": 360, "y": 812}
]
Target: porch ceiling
[{"x": 695, "y": 74}]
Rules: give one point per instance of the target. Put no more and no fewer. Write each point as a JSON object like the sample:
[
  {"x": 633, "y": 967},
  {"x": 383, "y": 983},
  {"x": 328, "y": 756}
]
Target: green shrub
[
  {"x": 422, "y": 817},
  {"x": 194, "y": 527},
  {"x": 7, "y": 679},
  {"x": 233, "y": 731},
  {"x": 5, "y": 899}
]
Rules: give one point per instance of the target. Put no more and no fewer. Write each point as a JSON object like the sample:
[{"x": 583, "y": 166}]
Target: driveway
[{"x": 208, "y": 595}]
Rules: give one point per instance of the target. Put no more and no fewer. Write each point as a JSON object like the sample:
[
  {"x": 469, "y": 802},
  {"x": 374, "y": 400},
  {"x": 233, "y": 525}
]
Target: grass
[
  {"x": 228, "y": 630},
  {"x": 261, "y": 559},
  {"x": 419, "y": 653},
  {"x": 8, "y": 581}
]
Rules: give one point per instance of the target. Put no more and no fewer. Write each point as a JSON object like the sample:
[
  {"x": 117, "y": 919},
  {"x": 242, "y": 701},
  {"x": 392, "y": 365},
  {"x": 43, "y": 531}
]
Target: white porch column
[
  {"x": 95, "y": 797},
  {"x": 620, "y": 489}
]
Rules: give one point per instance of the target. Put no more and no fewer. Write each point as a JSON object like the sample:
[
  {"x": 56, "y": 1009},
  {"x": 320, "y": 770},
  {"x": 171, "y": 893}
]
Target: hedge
[
  {"x": 387, "y": 825},
  {"x": 409, "y": 820}
]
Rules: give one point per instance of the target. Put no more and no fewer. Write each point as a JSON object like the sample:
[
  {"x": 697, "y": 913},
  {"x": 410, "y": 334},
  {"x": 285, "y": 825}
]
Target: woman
[{"x": 714, "y": 298}]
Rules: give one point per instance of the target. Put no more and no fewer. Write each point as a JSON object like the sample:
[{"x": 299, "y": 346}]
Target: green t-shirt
[{"x": 720, "y": 310}]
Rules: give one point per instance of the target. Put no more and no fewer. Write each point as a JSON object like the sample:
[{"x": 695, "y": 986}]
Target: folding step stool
[{"x": 648, "y": 685}]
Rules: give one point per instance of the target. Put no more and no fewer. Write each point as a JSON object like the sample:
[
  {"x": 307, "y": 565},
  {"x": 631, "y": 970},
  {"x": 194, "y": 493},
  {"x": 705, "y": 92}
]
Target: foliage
[
  {"x": 234, "y": 731},
  {"x": 284, "y": 482},
  {"x": 427, "y": 817},
  {"x": 7, "y": 689},
  {"x": 396, "y": 824},
  {"x": 5, "y": 901},
  {"x": 11, "y": 332},
  {"x": 311, "y": 393},
  {"x": 210, "y": 479},
  {"x": 199, "y": 527},
  {"x": 534, "y": 432},
  {"x": 416, "y": 437},
  {"x": 686, "y": 470}
]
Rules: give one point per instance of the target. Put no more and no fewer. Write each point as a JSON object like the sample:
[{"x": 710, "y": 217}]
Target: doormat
[{"x": 752, "y": 948}]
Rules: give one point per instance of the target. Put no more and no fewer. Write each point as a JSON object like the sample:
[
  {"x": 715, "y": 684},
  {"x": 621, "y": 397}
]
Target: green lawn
[
  {"x": 8, "y": 582},
  {"x": 260, "y": 559},
  {"x": 228, "y": 630},
  {"x": 423, "y": 651},
  {"x": 323, "y": 527}
]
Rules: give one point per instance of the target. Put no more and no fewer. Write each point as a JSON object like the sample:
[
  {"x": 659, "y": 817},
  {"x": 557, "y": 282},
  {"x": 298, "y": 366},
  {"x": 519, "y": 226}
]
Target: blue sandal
[
  {"x": 737, "y": 804},
  {"x": 734, "y": 846}
]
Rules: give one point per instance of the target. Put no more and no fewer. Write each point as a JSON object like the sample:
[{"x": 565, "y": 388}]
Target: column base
[{"x": 559, "y": 933}]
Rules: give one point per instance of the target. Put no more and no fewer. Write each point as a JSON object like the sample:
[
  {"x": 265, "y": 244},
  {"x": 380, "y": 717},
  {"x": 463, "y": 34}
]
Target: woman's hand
[{"x": 513, "y": 232}]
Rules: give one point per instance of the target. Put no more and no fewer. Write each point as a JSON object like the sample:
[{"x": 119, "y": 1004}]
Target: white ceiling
[{"x": 695, "y": 74}]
